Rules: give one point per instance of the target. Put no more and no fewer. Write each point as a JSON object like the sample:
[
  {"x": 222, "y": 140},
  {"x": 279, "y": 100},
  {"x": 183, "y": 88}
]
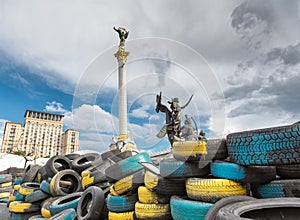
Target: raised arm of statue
[{"x": 123, "y": 33}]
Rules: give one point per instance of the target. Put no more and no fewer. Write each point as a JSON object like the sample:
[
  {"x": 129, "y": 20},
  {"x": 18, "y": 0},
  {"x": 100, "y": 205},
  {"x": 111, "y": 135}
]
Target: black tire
[
  {"x": 84, "y": 161},
  {"x": 291, "y": 171},
  {"x": 31, "y": 173},
  {"x": 270, "y": 146},
  {"x": 164, "y": 186},
  {"x": 244, "y": 174},
  {"x": 36, "y": 196},
  {"x": 126, "y": 167},
  {"x": 65, "y": 202},
  {"x": 72, "y": 157},
  {"x": 109, "y": 154},
  {"x": 91, "y": 204},
  {"x": 274, "y": 208},
  {"x": 213, "y": 211},
  {"x": 4, "y": 178},
  {"x": 171, "y": 168},
  {"x": 54, "y": 165},
  {"x": 65, "y": 175},
  {"x": 277, "y": 188}
]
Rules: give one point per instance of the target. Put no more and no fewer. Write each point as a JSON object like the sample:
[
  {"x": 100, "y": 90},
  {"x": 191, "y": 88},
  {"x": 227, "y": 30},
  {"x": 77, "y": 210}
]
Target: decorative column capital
[{"x": 121, "y": 54}]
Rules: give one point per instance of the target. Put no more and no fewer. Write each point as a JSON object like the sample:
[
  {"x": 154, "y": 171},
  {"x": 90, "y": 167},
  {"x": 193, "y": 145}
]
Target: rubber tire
[
  {"x": 269, "y": 146},
  {"x": 92, "y": 178},
  {"x": 31, "y": 173},
  {"x": 277, "y": 189},
  {"x": 291, "y": 171},
  {"x": 129, "y": 184},
  {"x": 234, "y": 211},
  {"x": 4, "y": 178},
  {"x": 19, "y": 197},
  {"x": 37, "y": 217},
  {"x": 164, "y": 186},
  {"x": 126, "y": 167},
  {"x": 2, "y": 185},
  {"x": 6, "y": 189},
  {"x": 50, "y": 170},
  {"x": 212, "y": 190},
  {"x": 29, "y": 187},
  {"x": 72, "y": 156},
  {"x": 109, "y": 154},
  {"x": 45, "y": 187},
  {"x": 69, "y": 175},
  {"x": 68, "y": 214},
  {"x": 121, "y": 216},
  {"x": 213, "y": 211},
  {"x": 91, "y": 204},
  {"x": 23, "y": 207},
  {"x": 190, "y": 151},
  {"x": 36, "y": 196},
  {"x": 45, "y": 206},
  {"x": 171, "y": 168},
  {"x": 23, "y": 216},
  {"x": 152, "y": 211},
  {"x": 182, "y": 208},
  {"x": 65, "y": 202},
  {"x": 148, "y": 197},
  {"x": 243, "y": 174},
  {"x": 84, "y": 161},
  {"x": 121, "y": 204}
]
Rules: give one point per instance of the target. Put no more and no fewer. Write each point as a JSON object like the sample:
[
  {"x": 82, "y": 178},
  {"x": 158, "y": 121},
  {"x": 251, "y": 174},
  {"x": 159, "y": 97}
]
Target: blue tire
[
  {"x": 188, "y": 209},
  {"x": 64, "y": 203},
  {"x": 121, "y": 204},
  {"x": 36, "y": 196},
  {"x": 45, "y": 187},
  {"x": 244, "y": 174},
  {"x": 126, "y": 167}
]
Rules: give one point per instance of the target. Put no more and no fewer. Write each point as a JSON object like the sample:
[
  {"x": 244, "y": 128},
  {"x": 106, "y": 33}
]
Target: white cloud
[
  {"x": 55, "y": 107},
  {"x": 140, "y": 112}
]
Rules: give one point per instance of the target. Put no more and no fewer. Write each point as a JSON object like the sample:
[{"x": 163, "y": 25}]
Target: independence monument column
[{"x": 121, "y": 56}]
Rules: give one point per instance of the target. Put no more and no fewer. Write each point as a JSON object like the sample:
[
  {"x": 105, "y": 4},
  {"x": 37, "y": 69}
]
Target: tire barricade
[{"x": 250, "y": 174}]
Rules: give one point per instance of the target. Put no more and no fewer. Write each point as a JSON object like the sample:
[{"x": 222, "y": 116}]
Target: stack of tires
[
  {"x": 5, "y": 187},
  {"x": 265, "y": 160},
  {"x": 202, "y": 189},
  {"x": 125, "y": 176}
]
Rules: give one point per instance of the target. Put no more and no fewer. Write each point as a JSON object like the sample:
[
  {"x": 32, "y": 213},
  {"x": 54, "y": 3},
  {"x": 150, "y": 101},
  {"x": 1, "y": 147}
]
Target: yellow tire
[
  {"x": 2, "y": 185},
  {"x": 152, "y": 211},
  {"x": 11, "y": 198},
  {"x": 121, "y": 216},
  {"x": 211, "y": 190},
  {"x": 189, "y": 150},
  {"x": 27, "y": 188},
  {"x": 22, "y": 207},
  {"x": 112, "y": 191},
  {"x": 17, "y": 187},
  {"x": 151, "y": 180},
  {"x": 4, "y": 195},
  {"x": 129, "y": 184},
  {"x": 39, "y": 178},
  {"x": 86, "y": 180},
  {"x": 148, "y": 197}
]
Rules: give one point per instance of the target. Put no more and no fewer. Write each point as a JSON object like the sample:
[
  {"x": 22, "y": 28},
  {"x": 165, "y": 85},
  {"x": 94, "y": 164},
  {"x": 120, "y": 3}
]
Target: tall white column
[
  {"x": 122, "y": 99},
  {"x": 121, "y": 56}
]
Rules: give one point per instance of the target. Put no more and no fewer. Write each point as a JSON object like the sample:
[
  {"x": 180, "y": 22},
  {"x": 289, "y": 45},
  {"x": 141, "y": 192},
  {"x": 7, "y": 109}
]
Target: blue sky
[{"x": 240, "y": 59}]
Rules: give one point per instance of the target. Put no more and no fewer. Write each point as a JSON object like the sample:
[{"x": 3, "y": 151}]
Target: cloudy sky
[{"x": 240, "y": 59}]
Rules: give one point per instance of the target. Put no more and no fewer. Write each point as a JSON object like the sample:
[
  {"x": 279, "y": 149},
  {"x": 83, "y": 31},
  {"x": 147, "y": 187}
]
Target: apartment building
[{"x": 42, "y": 135}]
